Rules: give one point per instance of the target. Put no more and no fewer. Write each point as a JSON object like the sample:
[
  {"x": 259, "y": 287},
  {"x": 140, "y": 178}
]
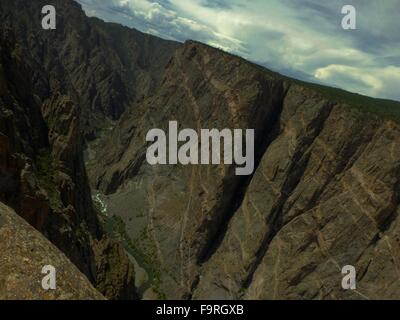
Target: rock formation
[
  {"x": 24, "y": 252},
  {"x": 82, "y": 99},
  {"x": 42, "y": 166},
  {"x": 324, "y": 195}
]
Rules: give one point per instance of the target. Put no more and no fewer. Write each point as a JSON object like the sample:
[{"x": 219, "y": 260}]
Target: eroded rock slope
[
  {"x": 324, "y": 193},
  {"x": 24, "y": 252},
  {"x": 43, "y": 176}
]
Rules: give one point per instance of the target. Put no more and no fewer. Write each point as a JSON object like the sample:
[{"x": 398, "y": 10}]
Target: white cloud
[
  {"x": 378, "y": 82},
  {"x": 281, "y": 34}
]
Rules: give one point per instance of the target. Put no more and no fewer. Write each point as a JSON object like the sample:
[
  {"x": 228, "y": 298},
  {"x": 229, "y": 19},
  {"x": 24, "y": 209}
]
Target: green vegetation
[
  {"x": 388, "y": 109},
  {"x": 241, "y": 293},
  {"x": 146, "y": 258},
  {"x": 47, "y": 177},
  {"x": 17, "y": 53}
]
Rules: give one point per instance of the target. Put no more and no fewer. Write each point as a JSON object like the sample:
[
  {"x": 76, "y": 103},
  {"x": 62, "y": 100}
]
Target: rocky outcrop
[
  {"x": 19, "y": 142},
  {"x": 43, "y": 176},
  {"x": 115, "y": 270},
  {"x": 343, "y": 209},
  {"x": 24, "y": 253},
  {"x": 324, "y": 194},
  {"x": 184, "y": 206},
  {"x": 323, "y": 197},
  {"x": 102, "y": 67}
]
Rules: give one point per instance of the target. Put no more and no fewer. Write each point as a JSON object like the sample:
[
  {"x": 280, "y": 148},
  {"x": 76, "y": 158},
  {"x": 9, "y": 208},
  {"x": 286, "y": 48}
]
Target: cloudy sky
[{"x": 299, "y": 38}]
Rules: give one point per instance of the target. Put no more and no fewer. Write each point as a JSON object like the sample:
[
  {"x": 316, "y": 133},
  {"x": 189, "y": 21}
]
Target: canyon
[
  {"x": 76, "y": 104},
  {"x": 215, "y": 147}
]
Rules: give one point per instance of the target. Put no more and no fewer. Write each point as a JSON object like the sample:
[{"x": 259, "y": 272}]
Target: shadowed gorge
[{"x": 76, "y": 104}]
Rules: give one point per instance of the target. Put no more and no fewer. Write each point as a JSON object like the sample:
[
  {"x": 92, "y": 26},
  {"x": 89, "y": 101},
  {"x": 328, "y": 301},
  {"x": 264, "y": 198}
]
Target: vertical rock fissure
[
  {"x": 264, "y": 139},
  {"x": 292, "y": 180}
]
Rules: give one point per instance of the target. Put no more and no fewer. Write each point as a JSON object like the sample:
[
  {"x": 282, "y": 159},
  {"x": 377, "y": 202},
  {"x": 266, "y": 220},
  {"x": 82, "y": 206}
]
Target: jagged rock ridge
[
  {"x": 58, "y": 88},
  {"x": 324, "y": 195},
  {"x": 24, "y": 252}
]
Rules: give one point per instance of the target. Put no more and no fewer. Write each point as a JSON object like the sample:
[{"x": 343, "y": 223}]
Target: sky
[{"x": 302, "y": 39}]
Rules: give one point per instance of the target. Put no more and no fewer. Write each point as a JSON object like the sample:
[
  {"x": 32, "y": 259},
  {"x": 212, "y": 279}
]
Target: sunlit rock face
[{"x": 24, "y": 254}]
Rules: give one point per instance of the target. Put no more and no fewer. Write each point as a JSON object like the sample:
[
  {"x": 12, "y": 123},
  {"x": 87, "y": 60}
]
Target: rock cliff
[
  {"x": 324, "y": 193},
  {"x": 24, "y": 252},
  {"x": 43, "y": 176}
]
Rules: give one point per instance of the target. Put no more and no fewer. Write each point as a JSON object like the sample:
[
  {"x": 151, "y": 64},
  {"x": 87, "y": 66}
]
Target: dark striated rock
[
  {"x": 324, "y": 195},
  {"x": 342, "y": 210},
  {"x": 42, "y": 169},
  {"x": 184, "y": 209},
  {"x": 102, "y": 67}
]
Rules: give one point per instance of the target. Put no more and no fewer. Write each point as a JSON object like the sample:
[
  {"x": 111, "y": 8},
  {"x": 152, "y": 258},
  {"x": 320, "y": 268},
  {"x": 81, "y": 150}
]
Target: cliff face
[
  {"x": 102, "y": 67},
  {"x": 43, "y": 176},
  {"x": 184, "y": 206},
  {"x": 324, "y": 196},
  {"x": 24, "y": 252},
  {"x": 324, "y": 193}
]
